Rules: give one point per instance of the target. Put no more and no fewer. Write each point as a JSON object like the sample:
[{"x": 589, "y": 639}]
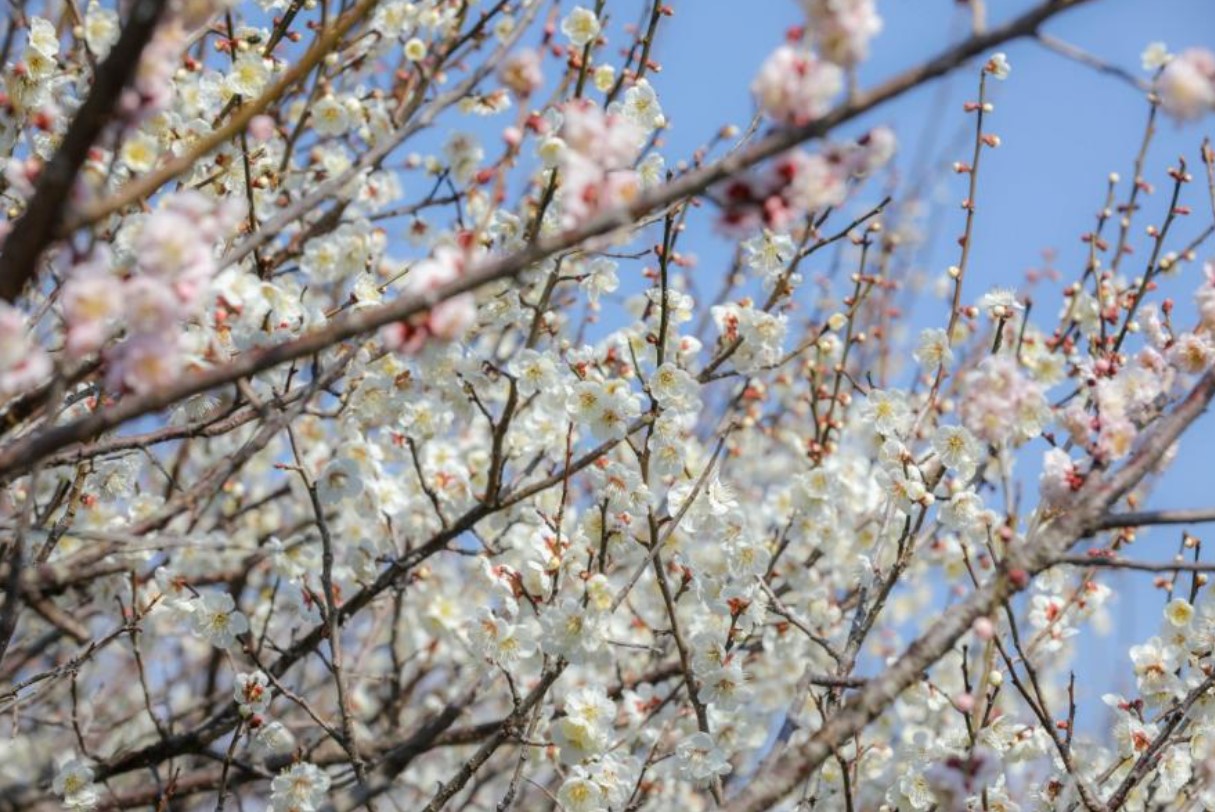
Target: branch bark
[{"x": 37, "y": 227}]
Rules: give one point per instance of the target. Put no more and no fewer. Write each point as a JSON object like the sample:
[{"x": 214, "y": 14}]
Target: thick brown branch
[{"x": 36, "y": 228}]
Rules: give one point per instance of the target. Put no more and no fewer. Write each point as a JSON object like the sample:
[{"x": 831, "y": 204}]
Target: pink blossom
[
  {"x": 431, "y": 274},
  {"x": 1187, "y": 84},
  {"x": 1205, "y": 297},
  {"x": 448, "y": 319},
  {"x": 610, "y": 140},
  {"x": 1059, "y": 479},
  {"x": 597, "y": 164},
  {"x": 956, "y": 778},
  {"x": 795, "y": 87},
  {"x": 521, "y": 72},
  {"x": 983, "y": 628},
  {"x": 152, "y": 88},
  {"x": 774, "y": 197},
  {"x": 23, "y": 365},
  {"x": 261, "y": 128},
  {"x": 92, "y": 302},
  {"x": 873, "y": 150},
  {"x": 169, "y": 245},
  {"x": 177, "y": 240},
  {"x": 144, "y": 364},
  {"x": 174, "y": 265},
  {"x": 451, "y": 318},
  {"x": 799, "y": 182},
  {"x": 841, "y": 29},
  {"x": 22, "y": 174},
  {"x": 815, "y": 181},
  {"x": 1001, "y": 404},
  {"x": 152, "y": 305}
]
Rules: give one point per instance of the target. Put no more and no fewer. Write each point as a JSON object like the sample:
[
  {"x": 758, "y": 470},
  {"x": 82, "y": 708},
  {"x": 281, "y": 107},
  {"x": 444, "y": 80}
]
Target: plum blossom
[
  {"x": 607, "y": 409},
  {"x": 1155, "y": 56},
  {"x": 958, "y": 449},
  {"x": 252, "y": 693},
  {"x": 1060, "y": 478},
  {"x": 499, "y": 640},
  {"x": 798, "y": 182},
  {"x": 761, "y": 334},
  {"x": 699, "y": 759},
  {"x": 299, "y": 788},
  {"x": 144, "y": 364},
  {"x": 636, "y": 510},
  {"x": 934, "y": 351},
  {"x": 598, "y": 152},
  {"x": 795, "y": 87},
  {"x": 581, "y": 26},
  {"x": 1186, "y": 86},
  {"x": 273, "y": 739},
  {"x": 216, "y": 619},
  {"x": 842, "y": 29},
  {"x": 1003, "y": 405},
  {"x": 23, "y": 364},
  {"x": 330, "y": 117},
  {"x": 447, "y": 320},
  {"x": 580, "y": 793},
  {"x": 585, "y": 729},
  {"x": 100, "y": 28},
  {"x": 74, "y": 783},
  {"x": 174, "y": 263},
  {"x": 1155, "y": 663},
  {"x": 998, "y": 66},
  {"x": 521, "y": 72},
  {"x": 570, "y": 631},
  {"x": 641, "y": 106}
]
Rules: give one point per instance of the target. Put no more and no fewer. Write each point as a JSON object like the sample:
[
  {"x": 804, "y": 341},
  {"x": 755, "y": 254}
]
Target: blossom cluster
[
  {"x": 166, "y": 285},
  {"x": 376, "y": 433}
]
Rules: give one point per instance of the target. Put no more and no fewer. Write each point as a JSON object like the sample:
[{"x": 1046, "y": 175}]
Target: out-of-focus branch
[
  {"x": 1077, "y": 54},
  {"x": 1140, "y": 566},
  {"x": 37, "y": 227},
  {"x": 18, "y": 457},
  {"x": 1150, "y": 517}
]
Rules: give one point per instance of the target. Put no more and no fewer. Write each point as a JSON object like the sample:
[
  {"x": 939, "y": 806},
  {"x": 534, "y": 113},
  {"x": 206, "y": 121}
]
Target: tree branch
[
  {"x": 18, "y": 457},
  {"x": 37, "y": 227}
]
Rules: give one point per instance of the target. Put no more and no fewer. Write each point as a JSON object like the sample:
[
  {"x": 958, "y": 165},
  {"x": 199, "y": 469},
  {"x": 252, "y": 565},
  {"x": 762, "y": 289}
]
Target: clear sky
[{"x": 1064, "y": 128}]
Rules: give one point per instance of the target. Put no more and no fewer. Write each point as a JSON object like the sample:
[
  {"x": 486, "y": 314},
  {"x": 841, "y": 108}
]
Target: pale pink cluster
[
  {"x": 1120, "y": 399},
  {"x": 521, "y": 72},
  {"x": 597, "y": 159},
  {"x": 1187, "y": 84},
  {"x": 23, "y": 364},
  {"x": 21, "y": 174},
  {"x": 1205, "y": 297},
  {"x": 152, "y": 88},
  {"x": 1001, "y": 404},
  {"x": 799, "y": 182},
  {"x": 841, "y": 29},
  {"x": 1060, "y": 479},
  {"x": 173, "y": 265},
  {"x": 447, "y": 320},
  {"x": 795, "y": 87},
  {"x": 1116, "y": 430}
]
